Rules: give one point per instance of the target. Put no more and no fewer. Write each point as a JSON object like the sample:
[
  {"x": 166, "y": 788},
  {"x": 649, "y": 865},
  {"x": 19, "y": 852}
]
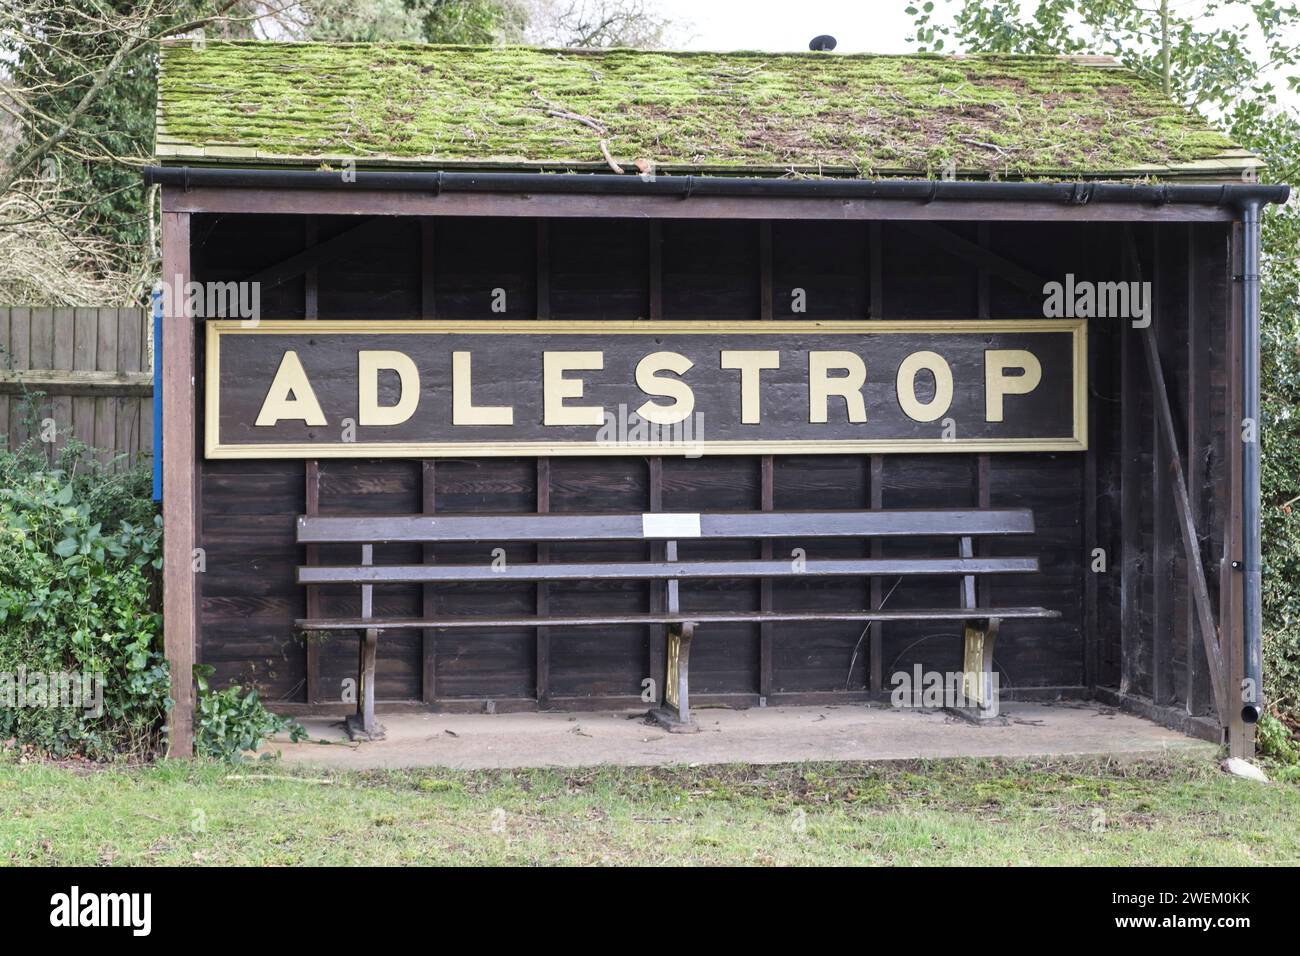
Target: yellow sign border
[{"x": 1078, "y": 441}]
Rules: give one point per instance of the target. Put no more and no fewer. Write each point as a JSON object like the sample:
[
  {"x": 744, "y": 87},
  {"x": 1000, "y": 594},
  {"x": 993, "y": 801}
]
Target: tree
[
  {"x": 79, "y": 97},
  {"x": 1220, "y": 57},
  {"x": 597, "y": 23},
  {"x": 1208, "y": 55},
  {"x": 78, "y": 87}
]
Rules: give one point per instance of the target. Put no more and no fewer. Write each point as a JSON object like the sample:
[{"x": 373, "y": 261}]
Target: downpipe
[{"x": 1252, "y": 636}]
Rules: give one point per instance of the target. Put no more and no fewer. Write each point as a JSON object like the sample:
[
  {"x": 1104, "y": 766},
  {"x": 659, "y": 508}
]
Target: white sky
[{"x": 859, "y": 26}]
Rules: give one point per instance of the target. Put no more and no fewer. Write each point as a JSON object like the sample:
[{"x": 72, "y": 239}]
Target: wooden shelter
[{"x": 492, "y": 202}]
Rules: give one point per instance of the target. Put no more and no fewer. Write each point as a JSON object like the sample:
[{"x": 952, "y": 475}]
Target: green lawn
[{"x": 1167, "y": 811}]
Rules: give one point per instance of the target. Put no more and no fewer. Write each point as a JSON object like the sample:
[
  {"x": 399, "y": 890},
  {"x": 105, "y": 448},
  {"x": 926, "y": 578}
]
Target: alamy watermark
[
  {"x": 630, "y": 429},
  {"x": 210, "y": 300},
  {"x": 1084, "y": 299},
  {"x": 52, "y": 689},
  {"x": 945, "y": 690}
]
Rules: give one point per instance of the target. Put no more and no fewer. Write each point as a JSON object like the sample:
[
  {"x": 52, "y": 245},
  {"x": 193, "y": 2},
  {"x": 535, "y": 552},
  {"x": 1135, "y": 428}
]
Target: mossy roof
[{"x": 259, "y": 103}]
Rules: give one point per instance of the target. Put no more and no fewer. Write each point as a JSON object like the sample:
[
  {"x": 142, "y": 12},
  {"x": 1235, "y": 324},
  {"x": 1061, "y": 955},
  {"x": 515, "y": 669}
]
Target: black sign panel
[{"x": 427, "y": 389}]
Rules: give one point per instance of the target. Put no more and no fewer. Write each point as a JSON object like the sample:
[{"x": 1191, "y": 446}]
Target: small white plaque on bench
[{"x": 670, "y": 525}]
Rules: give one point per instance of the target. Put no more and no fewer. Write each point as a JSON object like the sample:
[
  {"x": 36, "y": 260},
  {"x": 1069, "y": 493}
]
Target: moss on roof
[{"x": 757, "y": 113}]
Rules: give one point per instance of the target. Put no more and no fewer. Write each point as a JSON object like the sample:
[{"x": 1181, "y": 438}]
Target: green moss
[{"x": 1011, "y": 115}]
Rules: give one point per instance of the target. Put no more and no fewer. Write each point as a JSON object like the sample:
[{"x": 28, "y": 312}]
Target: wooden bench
[{"x": 802, "y": 528}]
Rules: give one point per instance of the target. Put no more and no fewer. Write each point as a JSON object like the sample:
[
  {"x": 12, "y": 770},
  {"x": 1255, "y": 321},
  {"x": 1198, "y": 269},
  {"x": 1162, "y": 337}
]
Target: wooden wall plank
[
  {"x": 126, "y": 435},
  {"x": 62, "y": 358},
  {"x": 105, "y": 409},
  {"x": 85, "y": 334},
  {"x": 1200, "y": 448},
  {"x": 20, "y": 354},
  {"x": 876, "y": 310}
]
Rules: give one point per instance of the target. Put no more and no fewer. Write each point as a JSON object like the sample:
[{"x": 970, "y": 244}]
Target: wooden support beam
[
  {"x": 1171, "y": 462},
  {"x": 311, "y": 275},
  {"x": 656, "y": 269},
  {"x": 1162, "y": 542},
  {"x": 543, "y": 241},
  {"x": 542, "y": 600},
  {"x": 178, "y": 470},
  {"x": 767, "y": 476},
  {"x": 658, "y": 638},
  {"x": 1130, "y": 451},
  {"x": 80, "y": 383},
  {"x": 983, "y": 464},
  {"x": 766, "y": 493},
  {"x": 311, "y": 476},
  {"x": 876, "y": 465},
  {"x": 977, "y": 254},
  {"x": 1084, "y": 245},
  {"x": 321, "y": 253},
  {"x": 542, "y": 650},
  {"x": 311, "y": 469},
  {"x": 428, "y": 309},
  {"x": 429, "y": 595},
  {"x": 1197, "y": 403},
  {"x": 376, "y": 202}
]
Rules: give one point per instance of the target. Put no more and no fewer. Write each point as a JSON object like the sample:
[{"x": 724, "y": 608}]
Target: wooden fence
[{"x": 77, "y": 373}]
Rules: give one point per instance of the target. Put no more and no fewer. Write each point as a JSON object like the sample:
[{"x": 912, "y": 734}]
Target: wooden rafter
[
  {"x": 319, "y": 254},
  {"x": 977, "y": 254}
]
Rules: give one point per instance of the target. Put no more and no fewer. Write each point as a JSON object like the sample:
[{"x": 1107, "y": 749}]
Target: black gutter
[{"x": 925, "y": 190}]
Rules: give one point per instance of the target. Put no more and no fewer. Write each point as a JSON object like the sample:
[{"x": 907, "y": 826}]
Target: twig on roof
[
  {"x": 604, "y": 151},
  {"x": 553, "y": 109},
  {"x": 976, "y": 142}
]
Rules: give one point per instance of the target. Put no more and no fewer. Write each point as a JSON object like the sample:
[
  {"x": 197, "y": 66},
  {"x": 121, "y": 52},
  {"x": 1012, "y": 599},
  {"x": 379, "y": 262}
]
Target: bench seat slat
[
  {"x": 704, "y": 617},
  {"x": 654, "y": 570},
  {"x": 336, "y": 529}
]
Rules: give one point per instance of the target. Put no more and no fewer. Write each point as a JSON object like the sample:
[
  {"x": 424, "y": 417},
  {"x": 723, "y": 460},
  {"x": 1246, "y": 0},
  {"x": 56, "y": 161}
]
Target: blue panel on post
[{"x": 157, "y": 395}]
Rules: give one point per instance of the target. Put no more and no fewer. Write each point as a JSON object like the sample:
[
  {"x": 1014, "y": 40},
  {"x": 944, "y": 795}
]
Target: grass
[{"x": 1170, "y": 811}]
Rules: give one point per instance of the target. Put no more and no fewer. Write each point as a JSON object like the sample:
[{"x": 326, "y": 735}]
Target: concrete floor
[{"x": 758, "y": 735}]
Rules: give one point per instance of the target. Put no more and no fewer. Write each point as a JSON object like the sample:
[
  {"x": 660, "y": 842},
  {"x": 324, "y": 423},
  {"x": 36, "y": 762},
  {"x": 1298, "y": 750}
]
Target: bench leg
[
  {"x": 674, "y": 715},
  {"x": 362, "y": 725},
  {"x": 978, "y": 686}
]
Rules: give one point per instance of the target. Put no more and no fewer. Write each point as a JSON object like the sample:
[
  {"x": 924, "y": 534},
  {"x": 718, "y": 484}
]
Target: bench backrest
[{"x": 433, "y": 529}]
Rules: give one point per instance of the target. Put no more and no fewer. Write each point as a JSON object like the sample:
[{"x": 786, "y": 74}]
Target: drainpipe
[{"x": 1252, "y": 689}]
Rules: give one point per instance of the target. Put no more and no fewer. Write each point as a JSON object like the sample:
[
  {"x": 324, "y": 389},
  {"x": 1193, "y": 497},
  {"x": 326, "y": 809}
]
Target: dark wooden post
[
  {"x": 542, "y": 649},
  {"x": 311, "y": 472},
  {"x": 1162, "y": 517},
  {"x": 876, "y": 291},
  {"x": 179, "y": 606},
  {"x": 428, "y": 478},
  {"x": 428, "y": 595},
  {"x": 767, "y": 475}
]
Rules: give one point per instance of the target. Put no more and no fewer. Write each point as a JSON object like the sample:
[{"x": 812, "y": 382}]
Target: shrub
[
  {"x": 79, "y": 556},
  {"x": 229, "y": 723}
]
